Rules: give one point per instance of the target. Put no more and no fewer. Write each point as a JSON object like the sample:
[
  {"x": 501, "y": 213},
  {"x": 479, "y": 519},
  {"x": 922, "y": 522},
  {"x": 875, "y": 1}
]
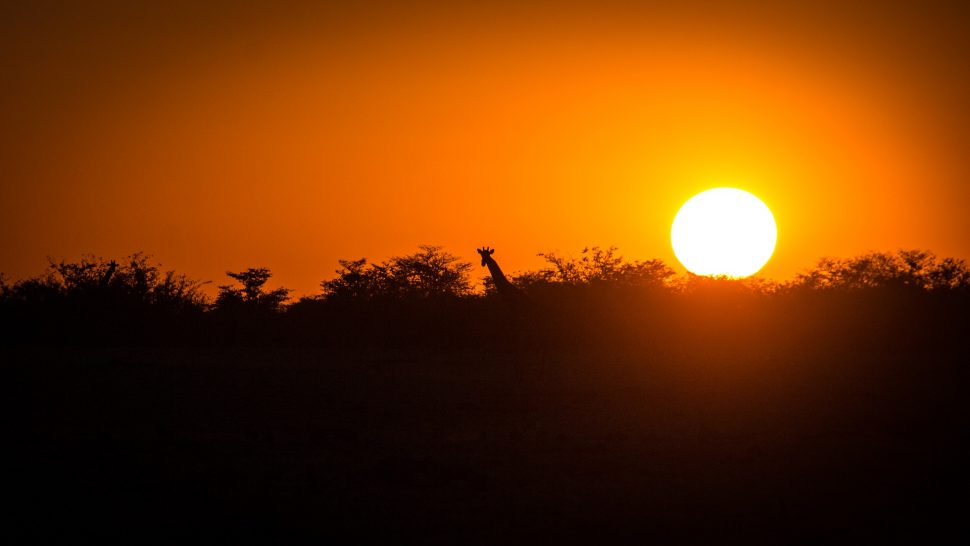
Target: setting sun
[{"x": 724, "y": 231}]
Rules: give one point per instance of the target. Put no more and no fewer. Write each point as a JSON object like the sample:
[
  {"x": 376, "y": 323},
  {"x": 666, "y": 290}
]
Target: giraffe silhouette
[
  {"x": 106, "y": 277},
  {"x": 526, "y": 323},
  {"x": 506, "y": 290}
]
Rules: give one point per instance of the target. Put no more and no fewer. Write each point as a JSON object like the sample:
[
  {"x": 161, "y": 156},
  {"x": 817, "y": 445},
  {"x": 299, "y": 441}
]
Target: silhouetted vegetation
[
  {"x": 430, "y": 273},
  {"x": 913, "y": 269},
  {"x": 251, "y": 298},
  {"x": 95, "y": 300},
  {"x": 627, "y": 404},
  {"x": 427, "y": 298},
  {"x": 597, "y": 267}
]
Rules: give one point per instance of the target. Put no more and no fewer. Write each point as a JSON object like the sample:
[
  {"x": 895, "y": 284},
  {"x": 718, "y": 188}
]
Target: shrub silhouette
[
  {"x": 901, "y": 299},
  {"x": 596, "y": 266},
  {"x": 429, "y": 273},
  {"x": 94, "y": 299},
  {"x": 419, "y": 299},
  {"x": 132, "y": 282},
  {"x": 905, "y": 268}
]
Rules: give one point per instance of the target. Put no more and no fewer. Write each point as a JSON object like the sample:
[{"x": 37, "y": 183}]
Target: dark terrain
[
  {"x": 606, "y": 407},
  {"x": 489, "y": 447}
]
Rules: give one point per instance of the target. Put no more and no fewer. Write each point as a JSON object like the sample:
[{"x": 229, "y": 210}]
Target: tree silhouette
[
  {"x": 94, "y": 300},
  {"x": 916, "y": 269},
  {"x": 426, "y": 296},
  {"x": 251, "y": 297},
  {"x": 597, "y": 266},
  {"x": 354, "y": 281},
  {"x": 132, "y": 281},
  {"x": 429, "y": 273}
]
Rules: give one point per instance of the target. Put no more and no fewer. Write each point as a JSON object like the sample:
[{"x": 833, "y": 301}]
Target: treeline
[{"x": 906, "y": 299}]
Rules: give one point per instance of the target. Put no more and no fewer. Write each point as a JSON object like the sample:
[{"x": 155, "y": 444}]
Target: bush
[
  {"x": 429, "y": 273},
  {"x": 906, "y": 268},
  {"x": 251, "y": 298},
  {"x": 96, "y": 300}
]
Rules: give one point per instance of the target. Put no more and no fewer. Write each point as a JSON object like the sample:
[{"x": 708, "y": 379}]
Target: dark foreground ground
[{"x": 491, "y": 447}]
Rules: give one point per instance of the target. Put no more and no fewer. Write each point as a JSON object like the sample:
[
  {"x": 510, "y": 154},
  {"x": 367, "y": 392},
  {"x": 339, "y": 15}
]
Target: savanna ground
[
  {"x": 491, "y": 447},
  {"x": 612, "y": 406}
]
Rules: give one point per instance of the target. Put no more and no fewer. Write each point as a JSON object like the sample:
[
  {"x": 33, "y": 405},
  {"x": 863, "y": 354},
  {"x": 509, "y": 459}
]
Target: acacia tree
[
  {"x": 597, "y": 266},
  {"x": 251, "y": 296},
  {"x": 355, "y": 280},
  {"x": 905, "y": 268},
  {"x": 431, "y": 272},
  {"x": 131, "y": 281}
]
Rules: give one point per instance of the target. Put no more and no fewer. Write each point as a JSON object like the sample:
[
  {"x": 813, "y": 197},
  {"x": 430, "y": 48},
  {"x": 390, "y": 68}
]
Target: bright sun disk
[{"x": 724, "y": 231}]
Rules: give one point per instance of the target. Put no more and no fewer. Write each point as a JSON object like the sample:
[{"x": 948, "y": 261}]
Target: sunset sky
[{"x": 233, "y": 135}]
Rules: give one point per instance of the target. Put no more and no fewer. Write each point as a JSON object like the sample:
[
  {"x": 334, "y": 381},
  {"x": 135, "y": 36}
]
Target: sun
[{"x": 724, "y": 231}]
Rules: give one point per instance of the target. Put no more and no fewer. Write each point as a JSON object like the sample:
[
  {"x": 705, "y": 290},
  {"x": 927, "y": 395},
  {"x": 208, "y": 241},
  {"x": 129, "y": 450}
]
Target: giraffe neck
[{"x": 501, "y": 282}]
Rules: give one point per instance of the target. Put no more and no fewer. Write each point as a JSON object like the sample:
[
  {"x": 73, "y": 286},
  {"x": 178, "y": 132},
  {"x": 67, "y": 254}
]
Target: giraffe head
[{"x": 486, "y": 254}]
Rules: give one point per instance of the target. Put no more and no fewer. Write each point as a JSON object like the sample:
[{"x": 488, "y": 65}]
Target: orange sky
[{"x": 236, "y": 136}]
